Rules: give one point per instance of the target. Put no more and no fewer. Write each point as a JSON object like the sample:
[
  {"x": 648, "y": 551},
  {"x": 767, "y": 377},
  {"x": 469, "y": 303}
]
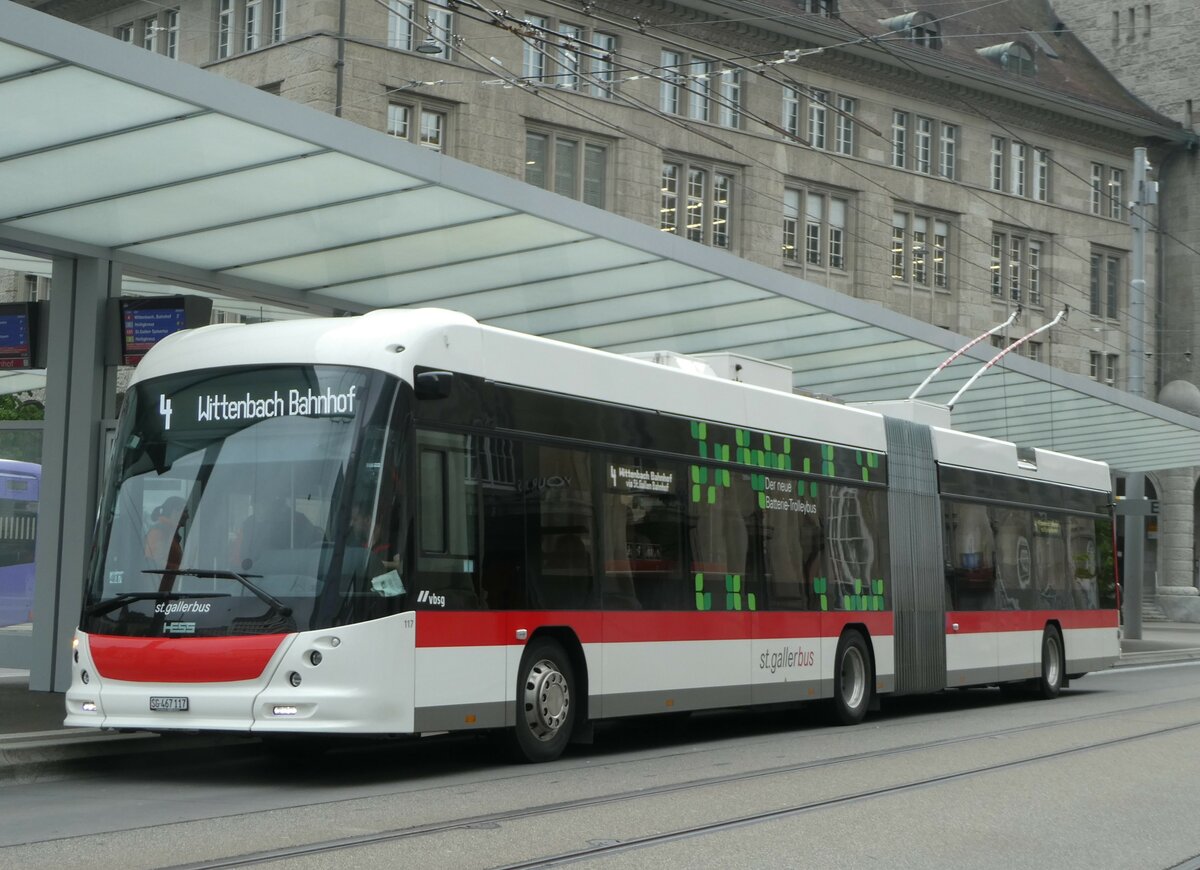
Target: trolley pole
[{"x": 1135, "y": 484}]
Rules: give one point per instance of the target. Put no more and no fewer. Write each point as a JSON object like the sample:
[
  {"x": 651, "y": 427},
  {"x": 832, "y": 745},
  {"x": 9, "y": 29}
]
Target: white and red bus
[{"x": 407, "y": 522}]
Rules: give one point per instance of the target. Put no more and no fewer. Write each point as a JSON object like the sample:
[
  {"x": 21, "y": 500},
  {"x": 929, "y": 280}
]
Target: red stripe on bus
[
  {"x": 436, "y": 629},
  {"x": 182, "y": 660},
  {"x": 970, "y": 622}
]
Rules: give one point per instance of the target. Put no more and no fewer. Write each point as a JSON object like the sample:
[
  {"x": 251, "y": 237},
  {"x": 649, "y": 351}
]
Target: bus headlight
[
  {"x": 293, "y": 678},
  {"x": 315, "y": 657}
]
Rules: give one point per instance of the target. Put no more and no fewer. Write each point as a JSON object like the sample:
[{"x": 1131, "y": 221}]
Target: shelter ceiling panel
[
  {"x": 740, "y": 305},
  {"x": 801, "y": 325},
  {"x": 14, "y": 60},
  {"x": 289, "y": 243},
  {"x": 636, "y": 306},
  {"x": 488, "y": 305},
  {"x": 874, "y": 383},
  {"x": 880, "y": 357},
  {"x": 133, "y": 161},
  {"x": 574, "y": 289},
  {"x": 531, "y": 264},
  {"x": 255, "y": 193},
  {"x": 401, "y": 255},
  {"x": 66, "y": 104}
]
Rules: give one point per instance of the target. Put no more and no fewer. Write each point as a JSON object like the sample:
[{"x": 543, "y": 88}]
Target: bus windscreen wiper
[
  {"x": 129, "y": 597},
  {"x": 220, "y": 574}
]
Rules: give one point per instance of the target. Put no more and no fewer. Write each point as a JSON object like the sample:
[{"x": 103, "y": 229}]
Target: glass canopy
[{"x": 112, "y": 151}]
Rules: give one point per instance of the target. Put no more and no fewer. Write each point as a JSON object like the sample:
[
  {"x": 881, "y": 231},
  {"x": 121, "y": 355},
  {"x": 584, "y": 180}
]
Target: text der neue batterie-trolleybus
[{"x": 407, "y": 522}]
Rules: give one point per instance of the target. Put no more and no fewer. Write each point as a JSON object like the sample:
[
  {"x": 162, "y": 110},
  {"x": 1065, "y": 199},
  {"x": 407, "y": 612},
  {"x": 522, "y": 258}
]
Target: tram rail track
[{"x": 496, "y": 819}]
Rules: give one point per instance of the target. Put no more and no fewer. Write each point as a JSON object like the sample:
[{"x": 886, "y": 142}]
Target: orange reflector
[
  {"x": 670, "y": 702},
  {"x": 471, "y": 719}
]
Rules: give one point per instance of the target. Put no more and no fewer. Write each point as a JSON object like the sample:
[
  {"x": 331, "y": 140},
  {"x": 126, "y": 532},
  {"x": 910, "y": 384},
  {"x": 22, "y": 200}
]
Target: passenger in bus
[
  {"x": 163, "y": 545},
  {"x": 275, "y": 527}
]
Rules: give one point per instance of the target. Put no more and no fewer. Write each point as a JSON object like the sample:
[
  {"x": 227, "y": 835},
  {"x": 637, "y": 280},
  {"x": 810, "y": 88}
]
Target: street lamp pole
[{"x": 1135, "y": 483}]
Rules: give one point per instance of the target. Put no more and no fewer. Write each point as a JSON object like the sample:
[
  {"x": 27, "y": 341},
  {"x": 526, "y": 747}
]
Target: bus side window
[
  {"x": 723, "y": 531},
  {"x": 559, "y": 489},
  {"x": 448, "y": 524},
  {"x": 644, "y": 528}
]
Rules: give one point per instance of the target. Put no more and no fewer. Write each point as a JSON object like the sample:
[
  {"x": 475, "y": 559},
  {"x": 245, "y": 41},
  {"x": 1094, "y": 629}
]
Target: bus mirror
[{"x": 434, "y": 385}]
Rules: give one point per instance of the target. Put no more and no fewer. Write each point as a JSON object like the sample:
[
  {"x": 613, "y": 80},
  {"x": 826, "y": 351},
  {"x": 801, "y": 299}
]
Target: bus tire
[
  {"x": 1050, "y": 683},
  {"x": 852, "y": 679},
  {"x": 546, "y": 703}
]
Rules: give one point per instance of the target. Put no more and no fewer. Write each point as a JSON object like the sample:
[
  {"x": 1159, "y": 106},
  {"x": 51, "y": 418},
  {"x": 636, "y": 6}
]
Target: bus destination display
[
  {"x": 16, "y": 349},
  {"x": 145, "y": 325}
]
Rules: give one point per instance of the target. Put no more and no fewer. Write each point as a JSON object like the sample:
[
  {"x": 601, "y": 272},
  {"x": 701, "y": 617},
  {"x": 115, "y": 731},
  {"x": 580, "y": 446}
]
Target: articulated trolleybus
[{"x": 406, "y": 522}]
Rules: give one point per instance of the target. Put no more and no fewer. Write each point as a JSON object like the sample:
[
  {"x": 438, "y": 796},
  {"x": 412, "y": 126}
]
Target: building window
[
  {"x": 124, "y": 32},
  {"x": 568, "y": 56},
  {"x": 697, "y": 202},
  {"x": 419, "y": 123},
  {"x": 278, "y": 20},
  {"x": 899, "y": 139},
  {"x": 1108, "y": 190},
  {"x": 828, "y": 8},
  {"x": 670, "y": 85},
  {"x": 224, "y": 28},
  {"x": 920, "y": 246},
  {"x": 814, "y": 228},
  {"x": 1015, "y": 171},
  {"x": 692, "y": 75},
  {"x": 253, "y": 32},
  {"x": 414, "y": 22},
  {"x": 172, "y": 16},
  {"x": 729, "y": 114},
  {"x": 817, "y": 118},
  {"x": 1016, "y": 265},
  {"x": 1107, "y": 268},
  {"x": 913, "y": 138},
  {"x": 400, "y": 26},
  {"x": 1032, "y": 350},
  {"x": 1041, "y": 175},
  {"x": 1103, "y": 367},
  {"x": 603, "y": 75},
  {"x": 923, "y": 145},
  {"x": 948, "y": 152},
  {"x": 844, "y": 125},
  {"x": 791, "y": 111},
  {"x": 150, "y": 33},
  {"x": 567, "y": 163}
]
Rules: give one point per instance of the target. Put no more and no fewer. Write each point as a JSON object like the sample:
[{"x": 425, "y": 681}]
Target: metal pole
[{"x": 1135, "y": 484}]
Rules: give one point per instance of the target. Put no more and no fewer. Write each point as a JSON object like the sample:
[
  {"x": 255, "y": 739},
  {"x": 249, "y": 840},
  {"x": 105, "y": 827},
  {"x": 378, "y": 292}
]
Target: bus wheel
[
  {"x": 1051, "y": 681},
  {"x": 852, "y": 679},
  {"x": 545, "y": 706}
]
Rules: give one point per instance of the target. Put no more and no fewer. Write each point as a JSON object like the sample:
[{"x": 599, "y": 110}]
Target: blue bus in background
[{"x": 19, "y": 486}]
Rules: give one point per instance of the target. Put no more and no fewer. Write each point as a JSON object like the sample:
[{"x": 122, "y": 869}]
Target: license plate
[{"x": 159, "y": 703}]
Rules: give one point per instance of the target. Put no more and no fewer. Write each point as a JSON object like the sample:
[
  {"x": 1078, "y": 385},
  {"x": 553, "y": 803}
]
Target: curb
[
  {"x": 43, "y": 756},
  {"x": 1158, "y": 656}
]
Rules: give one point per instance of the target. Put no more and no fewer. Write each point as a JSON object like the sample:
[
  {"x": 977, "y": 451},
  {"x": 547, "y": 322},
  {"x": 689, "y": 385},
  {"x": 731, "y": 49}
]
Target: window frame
[
  {"x": 831, "y": 252},
  {"x": 921, "y": 262},
  {"x": 716, "y": 216},
  {"x": 691, "y": 94},
  {"x": 1106, "y": 278},
  {"x": 418, "y": 109},
  {"x": 1019, "y": 278},
  {"x": 585, "y": 143}
]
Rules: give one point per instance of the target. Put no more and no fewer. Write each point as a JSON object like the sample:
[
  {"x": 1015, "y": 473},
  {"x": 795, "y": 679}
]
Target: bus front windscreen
[{"x": 243, "y": 501}]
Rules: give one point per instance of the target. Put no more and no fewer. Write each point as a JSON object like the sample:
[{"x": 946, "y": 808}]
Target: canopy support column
[{"x": 80, "y": 394}]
